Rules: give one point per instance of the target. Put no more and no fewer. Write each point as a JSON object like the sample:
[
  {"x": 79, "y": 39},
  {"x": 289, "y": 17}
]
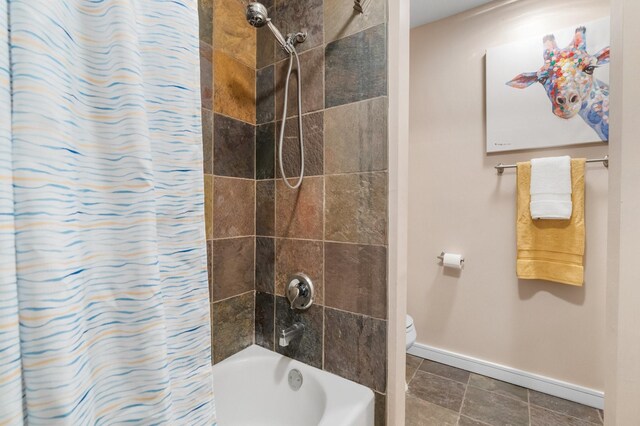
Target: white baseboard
[{"x": 572, "y": 392}]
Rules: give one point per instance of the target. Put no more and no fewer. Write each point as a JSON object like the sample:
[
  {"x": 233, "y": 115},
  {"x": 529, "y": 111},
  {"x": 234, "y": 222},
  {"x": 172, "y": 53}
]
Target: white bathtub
[{"x": 252, "y": 389}]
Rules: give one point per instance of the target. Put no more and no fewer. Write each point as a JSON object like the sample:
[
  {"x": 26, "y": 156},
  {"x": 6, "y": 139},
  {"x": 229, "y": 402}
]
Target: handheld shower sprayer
[{"x": 258, "y": 16}]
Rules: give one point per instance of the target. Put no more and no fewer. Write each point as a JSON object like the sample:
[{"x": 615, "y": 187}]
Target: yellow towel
[{"x": 551, "y": 250}]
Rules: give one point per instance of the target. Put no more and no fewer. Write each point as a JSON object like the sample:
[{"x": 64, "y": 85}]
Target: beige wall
[
  {"x": 458, "y": 203},
  {"x": 622, "y": 385}
]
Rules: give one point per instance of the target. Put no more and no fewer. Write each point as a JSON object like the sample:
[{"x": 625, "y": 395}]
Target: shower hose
[{"x": 292, "y": 54}]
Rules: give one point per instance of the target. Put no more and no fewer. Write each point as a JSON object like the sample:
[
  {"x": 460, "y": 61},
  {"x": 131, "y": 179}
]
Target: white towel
[{"x": 551, "y": 188}]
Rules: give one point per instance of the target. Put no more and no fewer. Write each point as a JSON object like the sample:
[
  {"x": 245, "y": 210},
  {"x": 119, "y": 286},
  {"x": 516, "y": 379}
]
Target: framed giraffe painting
[{"x": 551, "y": 90}]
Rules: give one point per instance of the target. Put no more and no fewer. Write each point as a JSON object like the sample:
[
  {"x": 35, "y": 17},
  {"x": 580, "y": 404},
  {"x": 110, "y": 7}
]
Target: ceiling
[{"x": 425, "y": 11}]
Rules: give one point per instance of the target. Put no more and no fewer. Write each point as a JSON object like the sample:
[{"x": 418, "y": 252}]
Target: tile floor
[{"x": 441, "y": 395}]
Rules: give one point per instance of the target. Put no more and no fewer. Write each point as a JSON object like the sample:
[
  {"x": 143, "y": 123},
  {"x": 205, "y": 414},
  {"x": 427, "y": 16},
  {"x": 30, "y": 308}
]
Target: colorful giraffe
[{"x": 567, "y": 76}]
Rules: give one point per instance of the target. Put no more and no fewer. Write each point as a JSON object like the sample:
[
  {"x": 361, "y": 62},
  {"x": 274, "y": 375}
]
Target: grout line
[
  {"x": 273, "y": 334},
  {"x": 323, "y": 71},
  {"x": 253, "y": 315},
  {"x": 230, "y": 117},
  {"x": 384, "y": 22},
  {"x": 475, "y": 420},
  {"x": 231, "y": 238},
  {"x": 319, "y": 241},
  {"x": 529, "y": 405},
  {"x": 231, "y": 297},
  {"x": 565, "y": 414},
  {"x": 278, "y": 120},
  {"x": 444, "y": 377},
  {"x": 324, "y": 224},
  {"x": 301, "y": 53},
  {"x": 415, "y": 372},
  {"x": 275, "y": 242},
  {"x": 231, "y": 177},
  {"x": 501, "y": 394},
  {"x": 324, "y": 273},
  {"x": 322, "y": 361},
  {"x": 361, "y": 101},
  {"x": 255, "y": 228},
  {"x": 360, "y": 315},
  {"x": 212, "y": 334},
  {"x": 464, "y": 397},
  {"x": 232, "y": 55},
  {"x": 255, "y": 291},
  {"x": 275, "y": 300},
  {"x": 368, "y": 172},
  {"x": 264, "y": 66}
]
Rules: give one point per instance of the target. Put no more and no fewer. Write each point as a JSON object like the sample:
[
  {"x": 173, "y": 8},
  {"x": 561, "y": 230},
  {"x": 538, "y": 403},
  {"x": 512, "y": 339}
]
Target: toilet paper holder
[{"x": 441, "y": 259}]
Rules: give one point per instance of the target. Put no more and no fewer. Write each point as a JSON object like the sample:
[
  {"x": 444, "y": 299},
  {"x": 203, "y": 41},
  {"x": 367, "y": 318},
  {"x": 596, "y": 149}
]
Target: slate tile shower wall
[
  {"x": 334, "y": 227},
  {"x": 228, "y": 82}
]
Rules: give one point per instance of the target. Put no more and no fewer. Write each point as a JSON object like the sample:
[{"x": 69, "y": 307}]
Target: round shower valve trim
[{"x": 300, "y": 291}]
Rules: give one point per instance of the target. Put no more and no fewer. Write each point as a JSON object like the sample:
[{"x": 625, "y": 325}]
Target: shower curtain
[{"x": 104, "y": 309}]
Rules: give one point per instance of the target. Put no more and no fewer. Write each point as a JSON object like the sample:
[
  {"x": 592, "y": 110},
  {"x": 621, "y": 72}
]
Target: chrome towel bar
[{"x": 605, "y": 162}]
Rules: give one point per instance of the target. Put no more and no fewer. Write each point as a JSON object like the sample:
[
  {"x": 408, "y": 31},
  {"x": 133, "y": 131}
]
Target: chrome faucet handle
[
  {"x": 300, "y": 291},
  {"x": 293, "y": 292}
]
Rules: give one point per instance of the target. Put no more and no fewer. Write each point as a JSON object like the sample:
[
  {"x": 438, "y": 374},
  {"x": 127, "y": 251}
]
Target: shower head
[{"x": 258, "y": 16}]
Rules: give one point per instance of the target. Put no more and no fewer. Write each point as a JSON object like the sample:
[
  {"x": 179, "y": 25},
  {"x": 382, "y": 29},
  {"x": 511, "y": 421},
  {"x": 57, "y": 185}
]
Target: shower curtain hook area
[{"x": 500, "y": 167}]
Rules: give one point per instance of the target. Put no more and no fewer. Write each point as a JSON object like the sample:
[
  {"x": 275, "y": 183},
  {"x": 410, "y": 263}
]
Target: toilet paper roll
[{"x": 452, "y": 260}]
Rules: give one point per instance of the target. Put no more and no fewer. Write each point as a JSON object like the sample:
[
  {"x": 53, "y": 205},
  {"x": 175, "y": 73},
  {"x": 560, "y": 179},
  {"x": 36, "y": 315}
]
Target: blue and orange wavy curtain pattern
[{"x": 104, "y": 314}]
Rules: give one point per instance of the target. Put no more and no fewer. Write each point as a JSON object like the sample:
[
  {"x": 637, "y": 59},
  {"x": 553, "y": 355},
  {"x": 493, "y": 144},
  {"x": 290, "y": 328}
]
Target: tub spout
[{"x": 287, "y": 335}]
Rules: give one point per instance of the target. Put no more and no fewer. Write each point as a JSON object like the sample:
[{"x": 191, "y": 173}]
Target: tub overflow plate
[{"x": 295, "y": 379}]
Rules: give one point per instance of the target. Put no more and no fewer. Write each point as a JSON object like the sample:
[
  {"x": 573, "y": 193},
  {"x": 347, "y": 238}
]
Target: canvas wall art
[{"x": 551, "y": 90}]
